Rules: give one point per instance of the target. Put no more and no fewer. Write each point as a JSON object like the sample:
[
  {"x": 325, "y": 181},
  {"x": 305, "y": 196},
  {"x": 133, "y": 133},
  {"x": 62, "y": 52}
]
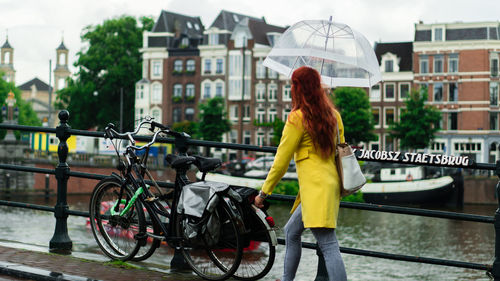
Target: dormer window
[
  {"x": 236, "y": 19},
  {"x": 213, "y": 39},
  {"x": 438, "y": 33},
  {"x": 185, "y": 42},
  {"x": 189, "y": 25},
  {"x": 389, "y": 66},
  {"x": 196, "y": 26}
]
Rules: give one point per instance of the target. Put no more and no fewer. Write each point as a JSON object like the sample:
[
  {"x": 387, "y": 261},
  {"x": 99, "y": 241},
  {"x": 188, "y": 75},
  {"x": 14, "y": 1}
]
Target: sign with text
[{"x": 413, "y": 158}]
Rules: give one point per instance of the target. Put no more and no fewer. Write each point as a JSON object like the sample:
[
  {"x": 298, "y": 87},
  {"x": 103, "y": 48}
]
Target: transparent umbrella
[{"x": 342, "y": 56}]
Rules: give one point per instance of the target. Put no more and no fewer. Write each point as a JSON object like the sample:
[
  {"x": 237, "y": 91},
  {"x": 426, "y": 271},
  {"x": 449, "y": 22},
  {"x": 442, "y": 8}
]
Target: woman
[{"x": 310, "y": 135}]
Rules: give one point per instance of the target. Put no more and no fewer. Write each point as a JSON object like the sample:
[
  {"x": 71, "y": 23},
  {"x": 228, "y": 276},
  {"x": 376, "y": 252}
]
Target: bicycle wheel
[
  {"x": 116, "y": 235},
  {"x": 259, "y": 252},
  {"x": 220, "y": 261},
  {"x": 151, "y": 244}
]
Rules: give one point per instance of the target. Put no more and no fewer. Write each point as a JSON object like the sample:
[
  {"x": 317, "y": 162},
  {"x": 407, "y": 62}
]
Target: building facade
[
  {"x": 458, "y": 64},
  {"x": 7, "y": 62}
]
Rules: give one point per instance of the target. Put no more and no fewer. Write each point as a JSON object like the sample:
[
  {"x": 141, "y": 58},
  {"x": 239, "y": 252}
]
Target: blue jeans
[{"x": 327, "y": 242}]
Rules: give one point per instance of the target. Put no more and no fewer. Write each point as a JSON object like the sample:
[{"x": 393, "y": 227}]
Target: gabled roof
[
  {"x": 228, "y": 20},
  {"x": 177, "y": 23},
  {"x": 403, "y": 50},
  {"x": 6, "y": 45},
  {"x": 39, "y": 84},
  {"x": 62, "y": 47},
  {"x": 260, "y": 29}
]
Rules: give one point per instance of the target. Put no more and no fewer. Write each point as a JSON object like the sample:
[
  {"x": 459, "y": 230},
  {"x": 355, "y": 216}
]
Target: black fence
[{"x": 61, "y": 242}]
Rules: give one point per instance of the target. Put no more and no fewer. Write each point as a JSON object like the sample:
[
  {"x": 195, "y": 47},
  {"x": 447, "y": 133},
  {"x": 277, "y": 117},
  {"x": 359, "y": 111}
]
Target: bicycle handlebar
[{"x": 110, "y": 132}]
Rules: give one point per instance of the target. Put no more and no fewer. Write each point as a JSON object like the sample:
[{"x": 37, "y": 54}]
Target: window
[
  {"x": 260, "y": 71},
  {"x": 389, "y": 66},
  {"x": 260, "y": 115},
  {"x": 219, "y": 66},
  {"x": 272, "y": 74},
  {"x": 184, "y": 42},
  {"x": 190, "y": 65},
  {"x": 438, "y": 34},
  {"x": 389, "y": 143},
  {"x": 176, "y": 114},
  {"x": 233, "y": 112},
  {"x": 389, "y": 116},
  {"x": 196, "y": 26},
  {"x": 233, "y": 136},
  {"x": 453, "y": 63},
  {"x": 494, "y": 67},
  {"x": 208, "y": 66},
  {"x": 438, "y": 92},
  {"x": 235, "y": 17},
  {"x": 493, "y": 120},
  {"x": 424, "y": 64},
  {"x": 389, "y": 92},
  {"x": 260, "y": 92},
  {"x": 218, "y": 90},
  {"x": 178, "y": 66},
  {"x": 272, "y": 114},
  {"x": 190, "y": 92},
  {"x": 452, "y": 121},
  {"x": 156, "y": 97},
  {"x": 404, "y": 91},
  {"x": 189, "y": 25},
  {"x": 376, "y": 116},
  {"x": 213, "y": 39},
  {"x": 246, "y": 112},
  {"x": 272, "y": 92},
  {"x": 453, "y": 92},
  {"x": 438, "y": 64},
  {"x": 189, "y": 114},
  {"x": 206, "y": 91},
  {"x": 375, "y": 93},
  {"x": 247, "y": 136},
  {"x": 156, "y": 68},
  {"x": 156, "y": 115},
  {"x": 177, "y": 90},
  {"x": 286, "y": 113},
  {"x": 260, "y": 138},
  {"x": 494, "y": 93},
  {"x": 139, "y": 91},
  {"x": 287, "y": 93}
]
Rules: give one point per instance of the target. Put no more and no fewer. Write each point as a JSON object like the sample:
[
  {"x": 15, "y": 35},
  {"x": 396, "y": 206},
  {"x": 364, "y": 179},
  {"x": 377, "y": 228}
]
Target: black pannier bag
[{"x": 256, "y": 230}]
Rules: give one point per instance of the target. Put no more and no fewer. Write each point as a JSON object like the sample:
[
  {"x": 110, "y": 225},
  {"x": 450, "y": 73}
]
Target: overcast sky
[{"x": 35, "y": 28}]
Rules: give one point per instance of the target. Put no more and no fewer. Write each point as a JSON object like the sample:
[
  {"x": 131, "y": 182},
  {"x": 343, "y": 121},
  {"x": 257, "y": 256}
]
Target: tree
[
  {"x": 278, "y": 126},
  {"x": 189, "y": 127},
  {"x": 27, "y": 116},
  {"x": 213, "y": 120},
  {"x": 418, "y": 123},
  {"x": 111, "y": 62},
  {"x": 355, "y": 109}
]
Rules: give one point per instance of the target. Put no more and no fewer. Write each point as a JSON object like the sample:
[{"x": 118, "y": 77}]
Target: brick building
[{"x": 458, "y": 63}]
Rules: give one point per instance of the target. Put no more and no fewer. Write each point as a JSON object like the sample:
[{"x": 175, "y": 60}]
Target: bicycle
[{"x": 126, "y": 217}]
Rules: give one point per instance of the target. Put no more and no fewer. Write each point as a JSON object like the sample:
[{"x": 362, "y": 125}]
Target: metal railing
[{"x": 61, "y": 242}]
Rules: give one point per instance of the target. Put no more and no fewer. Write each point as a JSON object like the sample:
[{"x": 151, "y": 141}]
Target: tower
[
  {"x": 61, "y": 72},
  {"x": 7, "y": 61}
]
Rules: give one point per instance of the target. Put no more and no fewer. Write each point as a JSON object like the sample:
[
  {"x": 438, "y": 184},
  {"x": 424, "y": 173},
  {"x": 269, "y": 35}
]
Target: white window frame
[
  {"x": 177, "y": 92},
  {"x": 401, "y": 98},
  {"x": 286, "y": 113},
  {"x": 434, "y": 92},
  {"x": 260, "y": 92},
  {"x": 233, "y": 112},
  {"x": 217, "y": 83},
  {"x": 386, "y": 125},
  {"x": 207, "y": 71},
  {"x": 272, "y": 92},
  {"x": 156, "y": 93},
  {"x": 156, "y": 69},
  {"x": 260, "y": 69},
  {"x": 272, "y": 113},
  {"x": 260, "y": 114},
  {"x": 222, "y": 66},
  {"x": 452, "y": 57},
  {"x": 421, "y": 61},
  {"x": 287, "y": 92},
  {"x": 190, "y": 87},
  {"x": 178, "y": 65},
  {"x": 246, "y": 112},
  {"x": 372, "y": 92},
  {"x": 435, "y": 60},
  {"x": 443, "y": 33},
  {"x": 190, "y": 65},
  {"x": 206, "y": 85},
  {"x": 379, "y": 116},
  {"x": 385, "y": 92}
]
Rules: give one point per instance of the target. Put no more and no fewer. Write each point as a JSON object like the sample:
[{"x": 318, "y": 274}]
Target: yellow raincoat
[{"x": 319, "y": 184}]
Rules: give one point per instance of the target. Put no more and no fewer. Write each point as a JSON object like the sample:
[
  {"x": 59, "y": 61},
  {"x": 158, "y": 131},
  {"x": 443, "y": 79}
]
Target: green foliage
[
  {"x": 110, "y": 62},
  {"x": 189, "y": 127},
  {"x": 287, "y": 188},
  {"x": 27, "y": 116},
  {"x": 176, "y": 99},
  {"x": 418, "y": 123},
  {"x": 213, "y": 120},
  {"x": 356, "y": 197},
  {"x": 277, "y": 126},
  {"x": 355, "y": 109}
]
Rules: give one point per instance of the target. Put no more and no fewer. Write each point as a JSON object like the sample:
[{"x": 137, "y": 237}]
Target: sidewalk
[{"x": 19, "y": 264}]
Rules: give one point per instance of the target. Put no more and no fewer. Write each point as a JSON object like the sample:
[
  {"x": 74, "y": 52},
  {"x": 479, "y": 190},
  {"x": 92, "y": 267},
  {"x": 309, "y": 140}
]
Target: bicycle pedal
[{"x": 151, "y": 199}]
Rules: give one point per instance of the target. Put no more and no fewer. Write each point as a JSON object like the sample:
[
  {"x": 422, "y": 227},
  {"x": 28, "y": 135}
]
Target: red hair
[{"x": 318, "y": 111}]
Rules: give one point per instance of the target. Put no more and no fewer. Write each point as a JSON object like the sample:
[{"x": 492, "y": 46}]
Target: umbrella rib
[
  {"x": 340, "y": 29},
  {"x": 315, "y": 29},
  {"x": 293, "y": 66}
]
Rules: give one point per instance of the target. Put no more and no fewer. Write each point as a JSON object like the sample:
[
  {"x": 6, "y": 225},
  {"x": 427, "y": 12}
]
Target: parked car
[{"x": 265, "y": 163}]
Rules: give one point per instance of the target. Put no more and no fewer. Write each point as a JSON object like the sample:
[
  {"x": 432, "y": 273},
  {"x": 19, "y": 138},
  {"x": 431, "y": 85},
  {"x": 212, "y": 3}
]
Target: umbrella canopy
[{"x": 342, "y": 56}]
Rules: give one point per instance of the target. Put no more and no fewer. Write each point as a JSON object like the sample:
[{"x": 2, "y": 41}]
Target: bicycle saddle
[
  {"x": 206, "y": 164},
  {"x": 177, "y": 161}
]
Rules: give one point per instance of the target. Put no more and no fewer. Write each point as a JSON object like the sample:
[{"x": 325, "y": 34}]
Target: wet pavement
[{"x": 21, "y": 264}]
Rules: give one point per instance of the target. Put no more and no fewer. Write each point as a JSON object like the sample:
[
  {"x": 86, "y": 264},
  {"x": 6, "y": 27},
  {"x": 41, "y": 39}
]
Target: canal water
[{"x": 377, "y": 231}]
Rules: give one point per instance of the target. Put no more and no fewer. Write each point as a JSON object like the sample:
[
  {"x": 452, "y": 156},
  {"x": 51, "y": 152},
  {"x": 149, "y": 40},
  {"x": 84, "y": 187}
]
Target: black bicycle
[{"x": 130, "y": 218}]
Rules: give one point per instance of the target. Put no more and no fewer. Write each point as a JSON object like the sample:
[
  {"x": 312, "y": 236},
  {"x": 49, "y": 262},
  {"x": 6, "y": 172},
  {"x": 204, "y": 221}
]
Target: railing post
[
  {"x": 495, "y": 271},
  {"x": 47, "y": 187},
  {"x": 60, "y": 242},
  {"x": 321, "y": 273}
]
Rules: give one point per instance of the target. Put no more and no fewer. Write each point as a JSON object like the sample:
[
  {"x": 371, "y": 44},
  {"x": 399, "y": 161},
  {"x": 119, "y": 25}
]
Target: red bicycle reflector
[{"x": 270, "y": 221}]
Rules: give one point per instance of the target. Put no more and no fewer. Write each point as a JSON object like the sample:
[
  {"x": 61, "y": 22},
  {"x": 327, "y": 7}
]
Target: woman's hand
[{"x": 259, "y": 202}]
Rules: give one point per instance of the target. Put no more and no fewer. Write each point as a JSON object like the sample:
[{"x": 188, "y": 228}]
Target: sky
[{"x": 35, "y": 28}]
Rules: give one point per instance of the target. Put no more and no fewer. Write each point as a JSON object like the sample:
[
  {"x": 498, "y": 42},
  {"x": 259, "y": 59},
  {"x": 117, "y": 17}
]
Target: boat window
[{"x": 393, "y": 171}]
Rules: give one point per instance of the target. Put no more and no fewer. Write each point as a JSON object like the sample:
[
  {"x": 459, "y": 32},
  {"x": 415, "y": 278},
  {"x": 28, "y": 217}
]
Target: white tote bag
[{"x": 351, "y": 177}]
